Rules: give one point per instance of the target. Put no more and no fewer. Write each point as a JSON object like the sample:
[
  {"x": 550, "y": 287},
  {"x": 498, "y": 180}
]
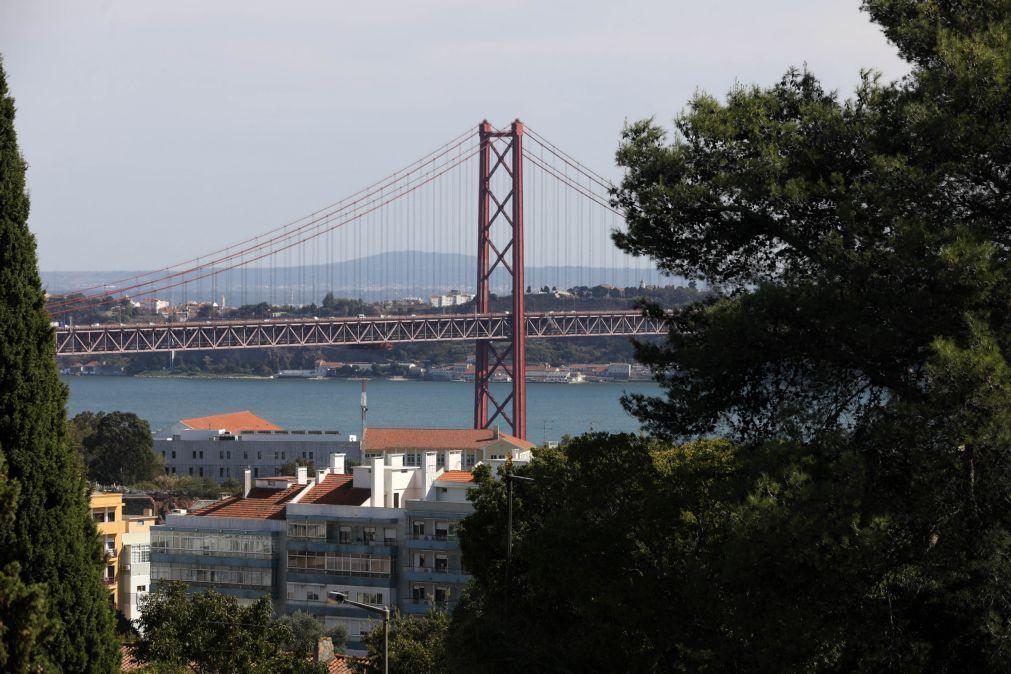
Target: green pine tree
[{"x": 51, "y": 538}]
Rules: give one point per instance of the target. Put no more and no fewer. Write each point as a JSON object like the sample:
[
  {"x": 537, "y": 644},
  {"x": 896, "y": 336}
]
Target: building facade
[
  {"x": 107, "y": 511},
  {"x": 222, "y": 446},
  {"x": 383, "y": 532}
]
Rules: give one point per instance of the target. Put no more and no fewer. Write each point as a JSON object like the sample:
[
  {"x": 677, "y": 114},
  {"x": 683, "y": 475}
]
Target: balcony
[{"x": 109, "y": 580}]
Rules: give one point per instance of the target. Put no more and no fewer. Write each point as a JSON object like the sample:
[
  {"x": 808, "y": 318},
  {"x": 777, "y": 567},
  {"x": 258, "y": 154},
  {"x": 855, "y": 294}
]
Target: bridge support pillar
[{"x": 500, "y": 246}]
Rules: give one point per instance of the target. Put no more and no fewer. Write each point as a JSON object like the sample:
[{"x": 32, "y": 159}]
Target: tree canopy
[
  {"x": 211, "y": 633},
  {"x": 417, "y": 645},
  {"x": 50, "y": 558},
  {"x": 117, "y": 447},
  {"x": 827, "y": 483}
]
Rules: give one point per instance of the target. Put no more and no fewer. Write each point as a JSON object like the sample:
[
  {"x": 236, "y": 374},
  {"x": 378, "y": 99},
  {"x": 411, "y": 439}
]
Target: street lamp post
[{"x": 384, "y": 611}]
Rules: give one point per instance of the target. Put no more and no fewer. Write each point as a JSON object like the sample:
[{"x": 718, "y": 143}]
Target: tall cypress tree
[{"x": 51, "y": 540}]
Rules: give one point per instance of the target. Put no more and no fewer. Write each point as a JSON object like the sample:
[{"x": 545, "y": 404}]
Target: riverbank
[{"x": 552, "y": 410}]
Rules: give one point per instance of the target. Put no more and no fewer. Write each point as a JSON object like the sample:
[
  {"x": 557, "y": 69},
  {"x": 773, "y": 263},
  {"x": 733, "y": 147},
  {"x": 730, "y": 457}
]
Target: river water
[{"x": 333, "y": 404}]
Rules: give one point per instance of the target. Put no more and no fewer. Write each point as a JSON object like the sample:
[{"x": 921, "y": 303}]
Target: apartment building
[
  {"x": 383, "y": 532},
  {"x": 220, "y": 447},
  {"x": 107, "y": 511}
]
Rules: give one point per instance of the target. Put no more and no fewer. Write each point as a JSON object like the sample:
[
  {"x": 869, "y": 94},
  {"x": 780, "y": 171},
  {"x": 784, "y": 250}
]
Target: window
[
  {"x": 110, "y": 515},
  {"x": 441, "y": 594},
  {"x": 245, "y": 454},
  {"x": 441, "y": 563},
  {"x": 418, "y": 593},
  {"x": 284, "y": 455},
  {"x": 344, "y": 535},
  {"x": 173, "y": 453},
  {"x": 221, "y": 472},
  {"x": 201, "y": 471},
  {"x": 419, "y": 560},
  {"x": 369, "y": 534},
  {"x": 110, "y": 544},
  {"x": 201, "y": 453},
  {"x": 275, "y": 455},
  {"x": 396, "y": 499},
  {"x": 110, "y": 572},
  {"x": 371, "y": 598},
  {"x": 228, "y": 454},
  {"x": 221, "y": 454},
  {"x": 311, "y": 455},
  {"x": 142, "y": 588},
  {"x": 298, "y": 529},
  {"x": 390, "y": 536},
  {"x": 194, "y": 453},
  {"x": 418, "y": 528},
  {"x": 163, "y": 454},
  {"x": 140, "y": 554},
  {"x": 441, "y": 531},
  {"x": 259, "y": 455},
  {"x": 191, "y": 470}
]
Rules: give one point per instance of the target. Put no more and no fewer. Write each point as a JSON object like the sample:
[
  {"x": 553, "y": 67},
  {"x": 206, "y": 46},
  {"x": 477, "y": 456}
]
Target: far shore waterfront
[{"x": 553, "y": 410}]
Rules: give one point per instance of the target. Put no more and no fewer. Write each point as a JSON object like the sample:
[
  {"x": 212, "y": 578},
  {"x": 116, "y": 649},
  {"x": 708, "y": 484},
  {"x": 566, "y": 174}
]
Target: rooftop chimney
[
  {"x": 378, "y": 483},
  {"x": 324, "y": 649},
  {"x": 247, "y": 482},
  {"x": 498, "y": 433},
  {"x": 302, "y": 475},
  {"x": 337, "y": 463},
  {"x": 428, "y": 472},
  {"x": 321, "y": 475}
]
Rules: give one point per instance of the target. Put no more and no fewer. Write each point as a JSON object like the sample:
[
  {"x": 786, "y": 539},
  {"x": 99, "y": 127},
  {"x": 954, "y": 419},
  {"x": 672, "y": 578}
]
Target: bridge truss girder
[{"x": 223, "y": 335}]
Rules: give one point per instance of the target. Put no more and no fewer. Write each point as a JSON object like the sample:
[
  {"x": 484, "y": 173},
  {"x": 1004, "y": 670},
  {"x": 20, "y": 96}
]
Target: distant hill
[{"x": 385, "y": 276}]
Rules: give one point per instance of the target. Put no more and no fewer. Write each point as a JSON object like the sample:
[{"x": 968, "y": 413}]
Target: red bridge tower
[{"x": 500, "y": 211}]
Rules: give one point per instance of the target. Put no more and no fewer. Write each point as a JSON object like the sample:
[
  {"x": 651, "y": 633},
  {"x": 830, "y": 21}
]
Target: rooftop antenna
[{"x": 365, "y": 408}]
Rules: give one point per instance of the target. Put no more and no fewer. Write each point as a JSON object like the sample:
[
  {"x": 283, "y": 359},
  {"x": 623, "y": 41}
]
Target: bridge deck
[{"x": 254, "y": 334}]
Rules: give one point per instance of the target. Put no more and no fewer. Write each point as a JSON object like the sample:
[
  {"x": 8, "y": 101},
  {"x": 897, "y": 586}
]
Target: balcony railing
[
  {"x": 434, "y": 537},
  {"x": 436, "y": 569},
  {"x": 107, "y": 580}
]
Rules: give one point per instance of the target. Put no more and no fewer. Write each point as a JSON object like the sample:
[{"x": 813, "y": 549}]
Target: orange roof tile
[
  {"x": 261, "y": 503},
  {"x": 337, "y": 490},
  {"x": 385, "y": 439},
  {"x": 456, "y": 476},
  {"x": 233, "y": 422},
  {"x": 343, "y": 664}
]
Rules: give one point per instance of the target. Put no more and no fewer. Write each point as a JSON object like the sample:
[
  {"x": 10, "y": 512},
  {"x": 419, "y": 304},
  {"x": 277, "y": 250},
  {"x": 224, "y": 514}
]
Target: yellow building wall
[{"x": 107, "y": 511}]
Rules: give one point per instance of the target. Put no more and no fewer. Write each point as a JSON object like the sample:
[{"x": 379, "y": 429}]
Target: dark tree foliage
[
  {"x": 50, "y": 541},
  {"x": 854, "y": 513},
  {"x": 117, "y": 447},
  {"x": 210, "y": 633},
  {"x": 417, "y": 645},
  {"x": 306, "y": 631}
]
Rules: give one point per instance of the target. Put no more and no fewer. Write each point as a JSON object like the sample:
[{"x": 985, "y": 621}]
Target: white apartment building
[{"x": 384, "y": 532}]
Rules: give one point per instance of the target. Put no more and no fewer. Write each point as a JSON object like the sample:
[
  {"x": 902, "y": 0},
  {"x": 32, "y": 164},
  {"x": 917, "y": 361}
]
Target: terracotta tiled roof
[
  {"x": 261, "y": 503},
  {"x": 233, "y": 422},
  {"x": 128, "y": 663},
  {"x": 337, "y": 490},
  {"x": 383, "y": 439},
  {"x": 456, "y": 476},
  {"x": 341, "y": 664}
]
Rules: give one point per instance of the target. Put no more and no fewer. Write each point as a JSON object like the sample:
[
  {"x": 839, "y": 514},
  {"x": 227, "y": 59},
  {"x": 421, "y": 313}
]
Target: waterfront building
[
  {"x": 472, "y": 445},
  {"x": 384, "y": 532},
  {"x": 220, "y": 447},
  {"x": 135, "y": 563},
  {"x": 107, "y": 511}
]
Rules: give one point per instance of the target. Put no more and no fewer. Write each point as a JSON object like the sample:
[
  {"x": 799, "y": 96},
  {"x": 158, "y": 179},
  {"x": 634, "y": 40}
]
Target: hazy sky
[{"x": 155, "y": 131}]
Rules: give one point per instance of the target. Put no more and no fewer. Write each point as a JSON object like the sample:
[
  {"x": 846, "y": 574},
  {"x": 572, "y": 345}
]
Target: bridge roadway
[{"x": 260, "y": 334}]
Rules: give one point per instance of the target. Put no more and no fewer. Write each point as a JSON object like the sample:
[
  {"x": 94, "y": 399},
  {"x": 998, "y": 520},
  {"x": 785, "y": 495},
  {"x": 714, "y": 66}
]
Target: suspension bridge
[{"x": 543, "y": 220}]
